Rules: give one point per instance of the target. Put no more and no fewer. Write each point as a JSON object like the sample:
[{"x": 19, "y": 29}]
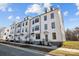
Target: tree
[
  {"x": 72, "y": 35},
  {"x": 68, "y": 34}
]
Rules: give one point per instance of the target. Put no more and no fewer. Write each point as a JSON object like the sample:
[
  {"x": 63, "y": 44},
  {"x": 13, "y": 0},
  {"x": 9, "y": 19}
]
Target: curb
[{"x": 31, "y": 46}]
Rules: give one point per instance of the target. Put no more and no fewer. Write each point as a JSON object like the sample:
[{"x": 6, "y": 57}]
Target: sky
[{"x": 10, "y": 12}]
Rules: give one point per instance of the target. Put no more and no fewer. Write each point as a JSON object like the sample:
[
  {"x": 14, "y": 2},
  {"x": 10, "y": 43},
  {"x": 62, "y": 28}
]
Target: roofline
[{"x": 37, "y": 15}]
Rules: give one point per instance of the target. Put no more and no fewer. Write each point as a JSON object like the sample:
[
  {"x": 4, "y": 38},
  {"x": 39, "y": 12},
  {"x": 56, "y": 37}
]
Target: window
[
  {"x": 19, "y": 38},
  {"x": 36, "y": 20},
  {"x": 53, "y": 25},
  {"x": 22, "y": 30},
  {"x": 8, "y": 30},
  {"x": 45, "y": 26},
  {"x": 36, "y": 27},
  {"x": 18, "y": 31},
  {"x": 37, "y": 36},
  {"x": 32, "y": 28},
  {"x": 11, "y": 27},
  {"x": 26, "y": 30},
  {"x": 33, "y": 22},
  {"x": 26, "y": 37},
  {"x": 4, "y": 33},
  {"x": 26, "y": 23},
  {"x": 23, "y": 24},
  {"x": 18, "y": 25},
  {"x": 52, "y": 15},
  {"x": 54, "y": 35},
  {"x": 45, "y": 18}
]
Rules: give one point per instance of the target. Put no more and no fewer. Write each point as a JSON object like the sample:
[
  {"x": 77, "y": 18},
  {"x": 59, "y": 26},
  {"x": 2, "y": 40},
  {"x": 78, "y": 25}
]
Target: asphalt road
[{"x": 8, "y": 50}]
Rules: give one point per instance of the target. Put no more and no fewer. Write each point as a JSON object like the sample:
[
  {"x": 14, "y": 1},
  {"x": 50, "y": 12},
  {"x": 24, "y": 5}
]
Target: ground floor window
[
  {"x": 54, "y": 35},
  {"x": 37, "y": 36}
]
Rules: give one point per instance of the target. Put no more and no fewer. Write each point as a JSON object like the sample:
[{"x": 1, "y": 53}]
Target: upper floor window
[
  {"x": 52, "y": 15},
  {"x": 26, "y": 23},
  {"x": 33, "y": 22},
  {"x": 23, "y": 24},
  {"x": 45, "y": 18},
  {"x": 13, "y": 26},
  {"x": 32, "y": 28},
  {"x": 36, "y": 27},
  {"x": 53, "y": 25},
  {"x": 8, "y": 30},
  {"x": 18, "y": 37},
  {"x": 26, "y": 30},
  {"x": 45, "y": 26},
  {"x": 36, "y": 20},
  {"x": 22, "y": 30},
  {"x": 4, "y": 33},
  {"x": 18, "y": 31},
  {"x": 18, "y": 25}
]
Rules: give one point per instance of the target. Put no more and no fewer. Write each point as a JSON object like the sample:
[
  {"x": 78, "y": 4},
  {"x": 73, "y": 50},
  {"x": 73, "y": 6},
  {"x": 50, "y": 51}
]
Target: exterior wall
[
  {"x": 25, "y": 36},
  {"x": 33, "y": 36},
  {"x": 30, "y": 36},
  {"x": 5, "y": 34}
]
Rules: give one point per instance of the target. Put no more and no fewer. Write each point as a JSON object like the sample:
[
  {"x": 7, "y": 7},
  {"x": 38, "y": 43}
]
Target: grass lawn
[
  {"x": 67, "y": 44},
  {"x": 71, "y": 44},
  {"x": 63, "y": 53}
]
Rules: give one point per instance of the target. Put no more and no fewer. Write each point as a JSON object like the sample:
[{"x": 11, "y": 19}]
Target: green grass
[
  {"x": 71, "y": 44},
  {"x": 63, "y": 53},
  {"x": 67, "y": 44}
]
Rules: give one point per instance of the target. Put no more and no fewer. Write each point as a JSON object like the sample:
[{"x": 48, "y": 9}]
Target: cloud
[
  {"x": 10, "y": 17},
  {"x": 10, "y": 10},
  {"x": 47, "y": 5},
  {"x": 77, "y": 5},
  {"x": 35, "y": 8},
  {"x": 3, "y": 7},
  {"x": 58, "y": 6},
  {"x": 66, "y": 13},
  {"x": 77, "y": 13},
  {"x": 17, "y": 17}
]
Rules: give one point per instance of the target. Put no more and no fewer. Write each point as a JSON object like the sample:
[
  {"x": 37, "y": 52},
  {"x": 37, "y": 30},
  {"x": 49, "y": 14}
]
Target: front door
[{"x": 46, "y": 37}]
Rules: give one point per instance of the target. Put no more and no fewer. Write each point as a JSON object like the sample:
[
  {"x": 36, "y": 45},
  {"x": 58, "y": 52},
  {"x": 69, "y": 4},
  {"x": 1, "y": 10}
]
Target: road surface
[{"x": 8, "y": 50}]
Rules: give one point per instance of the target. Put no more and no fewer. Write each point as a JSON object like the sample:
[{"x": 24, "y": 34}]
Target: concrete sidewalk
[
  {"x": 40, "y": 46},
  {"x": 32, "y": 46},
  {"x": 69, "y": 50}
]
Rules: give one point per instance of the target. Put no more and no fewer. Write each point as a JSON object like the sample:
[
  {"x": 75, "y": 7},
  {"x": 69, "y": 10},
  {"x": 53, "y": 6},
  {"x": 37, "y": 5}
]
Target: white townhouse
[
  {"x": 4, "y": 34},
  {"x": 46, "y": 29},
  {"x": 13, "y": 31},
  {"x": 24, "y": 29}
]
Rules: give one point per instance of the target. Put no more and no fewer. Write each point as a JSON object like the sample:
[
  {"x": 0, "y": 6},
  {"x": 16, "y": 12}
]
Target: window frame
[
  {"x": 45, "y": 27},
  {"x": 36, "y": 20},
  {"x": 37, "y": 36},
  {"x": 54, "y": 35},
  {"x": 53, "y": 25},
  {"x": 52, "y": 15},
  {"x": 45, "y": 17},
  {"x": 37, "y": 26}
]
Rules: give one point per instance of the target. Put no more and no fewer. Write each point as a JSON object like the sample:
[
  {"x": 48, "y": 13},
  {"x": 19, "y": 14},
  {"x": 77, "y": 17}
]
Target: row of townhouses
[{"x": 46, "y": 28}]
